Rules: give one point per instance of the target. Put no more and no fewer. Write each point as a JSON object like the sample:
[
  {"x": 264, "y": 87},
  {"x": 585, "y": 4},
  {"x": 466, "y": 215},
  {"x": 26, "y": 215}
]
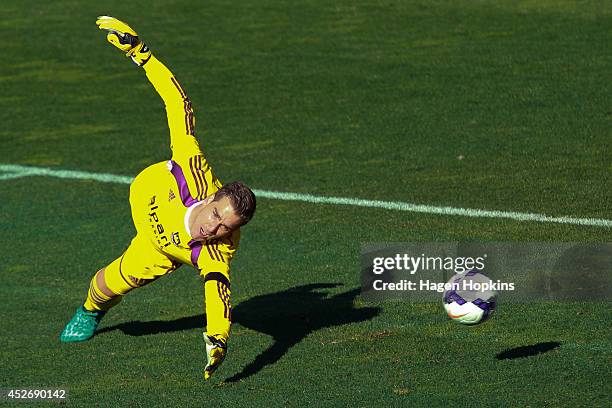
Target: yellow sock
[{"x": 98, "y": 300}]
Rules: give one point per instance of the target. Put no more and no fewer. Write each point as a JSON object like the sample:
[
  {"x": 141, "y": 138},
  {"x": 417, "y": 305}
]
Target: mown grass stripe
[{"x": 15, "y": 171}]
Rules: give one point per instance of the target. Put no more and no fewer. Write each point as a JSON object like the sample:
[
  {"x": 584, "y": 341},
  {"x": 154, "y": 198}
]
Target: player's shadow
[
  {"x": 287, "y": 316},
  {"x": 528, "y": 351},
  {"x": 291, "y": 315}
]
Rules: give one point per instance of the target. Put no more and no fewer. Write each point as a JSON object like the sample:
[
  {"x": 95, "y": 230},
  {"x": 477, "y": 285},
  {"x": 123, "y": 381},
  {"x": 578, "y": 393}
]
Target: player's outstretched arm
[
  {"x": 218, "y": 318},
  {"x": 179, "y": 111}
]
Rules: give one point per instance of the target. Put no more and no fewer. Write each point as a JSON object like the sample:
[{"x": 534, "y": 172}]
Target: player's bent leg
[
  {"x": 139, "y": 265},
  {"x": 99, "y": 297}
]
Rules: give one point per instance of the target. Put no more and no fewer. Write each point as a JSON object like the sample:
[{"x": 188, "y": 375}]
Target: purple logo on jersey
[{"x": 176, "y": 240}]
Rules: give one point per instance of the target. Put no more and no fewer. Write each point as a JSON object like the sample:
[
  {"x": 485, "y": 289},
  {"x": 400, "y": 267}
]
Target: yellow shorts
[{"x": 140, "y": 264}]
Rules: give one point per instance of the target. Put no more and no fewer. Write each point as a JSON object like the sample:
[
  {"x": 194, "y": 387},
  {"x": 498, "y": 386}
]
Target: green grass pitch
[{"x": 498, "y": 105}]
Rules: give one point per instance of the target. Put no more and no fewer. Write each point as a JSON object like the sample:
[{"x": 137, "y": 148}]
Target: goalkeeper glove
[
  {"x": 125, "y": 38},
  {"x": 215, "y": 353}
]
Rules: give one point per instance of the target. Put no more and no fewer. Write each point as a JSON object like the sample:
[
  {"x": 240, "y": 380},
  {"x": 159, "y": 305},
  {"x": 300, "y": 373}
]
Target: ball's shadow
[
  {"x": 287, "y": 316},
  {"x": 528, "y": 351}
]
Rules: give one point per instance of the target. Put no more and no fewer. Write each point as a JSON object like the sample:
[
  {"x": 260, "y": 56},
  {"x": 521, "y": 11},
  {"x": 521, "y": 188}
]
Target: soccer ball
[{"x": 469, "y": 298}]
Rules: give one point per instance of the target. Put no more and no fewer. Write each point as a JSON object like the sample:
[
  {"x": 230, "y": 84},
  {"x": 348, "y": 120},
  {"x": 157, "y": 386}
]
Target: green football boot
[{"x": 82, "y": 325}]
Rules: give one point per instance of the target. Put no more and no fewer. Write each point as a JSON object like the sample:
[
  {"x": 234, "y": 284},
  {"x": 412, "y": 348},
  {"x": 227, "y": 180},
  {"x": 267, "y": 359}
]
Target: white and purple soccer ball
[{"x": 469, "y": 299}]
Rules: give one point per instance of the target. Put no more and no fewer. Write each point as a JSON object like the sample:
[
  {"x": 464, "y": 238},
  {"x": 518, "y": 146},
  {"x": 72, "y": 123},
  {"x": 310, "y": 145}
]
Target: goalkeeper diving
[{"x": 182, "y": 214}]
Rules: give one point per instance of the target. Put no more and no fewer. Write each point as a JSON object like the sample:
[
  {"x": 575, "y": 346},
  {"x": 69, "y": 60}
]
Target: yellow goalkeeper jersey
[{"x": 163, "y": 195}]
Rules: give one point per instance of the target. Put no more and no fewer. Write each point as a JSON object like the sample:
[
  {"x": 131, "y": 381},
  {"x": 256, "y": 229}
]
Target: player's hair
[{"x": 241, "y": 198}]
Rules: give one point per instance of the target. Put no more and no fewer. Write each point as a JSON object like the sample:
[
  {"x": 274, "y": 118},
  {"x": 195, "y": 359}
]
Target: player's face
[{"x": 215, "y": 220}]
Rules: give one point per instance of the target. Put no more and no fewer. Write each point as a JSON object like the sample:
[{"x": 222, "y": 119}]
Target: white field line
[{"x": 15, "y": 171}]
